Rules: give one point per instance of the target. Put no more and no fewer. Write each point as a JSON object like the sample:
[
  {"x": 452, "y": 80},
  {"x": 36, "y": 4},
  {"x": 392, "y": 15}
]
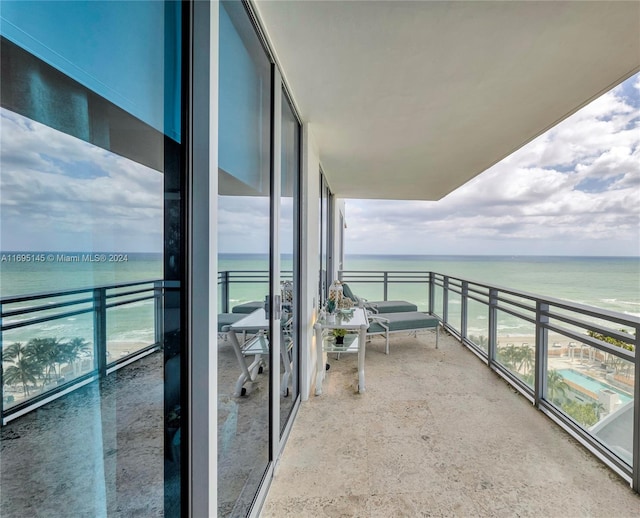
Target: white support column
[{"x": 309, "y": 259}]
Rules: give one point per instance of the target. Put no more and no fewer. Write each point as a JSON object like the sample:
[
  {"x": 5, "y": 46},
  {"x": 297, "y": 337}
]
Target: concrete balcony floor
[{"x": 436, "y": 434}]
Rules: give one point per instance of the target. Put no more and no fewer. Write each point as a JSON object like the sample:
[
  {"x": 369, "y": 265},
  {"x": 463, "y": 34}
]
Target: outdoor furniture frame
[
  {"x": 405, "y": 322},
  {"x": 258, "y": 347},
  {"x": 379, "y": 306}
]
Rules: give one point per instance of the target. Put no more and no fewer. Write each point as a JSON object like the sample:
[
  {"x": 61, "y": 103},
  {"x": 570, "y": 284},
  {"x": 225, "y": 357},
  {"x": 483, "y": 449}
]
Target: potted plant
[{"x": 339, "y": 334}]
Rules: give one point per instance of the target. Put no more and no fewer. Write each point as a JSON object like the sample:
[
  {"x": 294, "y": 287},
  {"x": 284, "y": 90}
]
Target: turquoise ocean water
[
  {"x": 605, "y": 282},
  {"x": 611, "y": 283},
  {"x": 132, "y": 323}
]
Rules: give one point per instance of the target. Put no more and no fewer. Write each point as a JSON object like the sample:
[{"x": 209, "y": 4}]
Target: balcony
[
  {"x": 436, "y": 434},
  {"x": 577, "y": 364},
  {"x": 91, "y": 320}
]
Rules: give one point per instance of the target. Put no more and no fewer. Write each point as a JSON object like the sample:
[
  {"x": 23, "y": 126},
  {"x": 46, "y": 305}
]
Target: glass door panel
[
  {"x": 91, "y": 218},
  {"x": 244, "y": 205},
  {"x": 288, "y": 231}
]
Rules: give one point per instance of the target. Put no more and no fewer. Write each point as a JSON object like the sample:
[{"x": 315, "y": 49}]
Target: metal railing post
[
  {"x": 100, "y": 329},
  {"x": 445, "y": 300},
  {"x": 431, "y": 292},
  {"x": 225, "y": 291},
  {"x": 493, "y": 326},
  {"x": 636, "y": 415},
  {"x": 464, "y": 308},
  {"x": 158, "y": 312},
  {"x": 386, "y": 286},
  {"x": 542, "y": 348},
  {"x": 1, "y": 373}
]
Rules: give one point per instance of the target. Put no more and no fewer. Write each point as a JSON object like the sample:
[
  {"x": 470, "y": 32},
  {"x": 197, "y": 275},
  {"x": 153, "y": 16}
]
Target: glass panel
[
  {"x": 454, "y": 315},
  {"x": 138, "y": 32},
  {"x": 438, "y": 303},
  {"x": 37, "y": 360},
  {"x": 417, "y": 293},
  {"x": 83, "y": 183},
  {"x": 289, "y": 260},
  {"x": 595, "y": 389},
  {"x": 516, "y": 346},
  {"x": 478, "y": 324},
  {"x": 243, "y": 238},
  {"x": 130, "y": 328}
]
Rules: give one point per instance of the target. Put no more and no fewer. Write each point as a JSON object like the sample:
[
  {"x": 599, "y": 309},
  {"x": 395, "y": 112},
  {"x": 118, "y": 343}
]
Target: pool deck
[{"x": 436, "y": 434}]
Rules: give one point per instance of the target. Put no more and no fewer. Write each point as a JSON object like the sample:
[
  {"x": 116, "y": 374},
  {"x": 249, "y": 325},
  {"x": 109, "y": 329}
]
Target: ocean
[
  {"x": 611, "y": 283},
  {"x": 129, "y": 327}
]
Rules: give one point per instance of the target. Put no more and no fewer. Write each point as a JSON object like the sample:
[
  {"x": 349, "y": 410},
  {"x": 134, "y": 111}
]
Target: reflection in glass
[
  {"x": 438, "y": 300},
  {"x": 478, "y": 324},
  {"x": 243, "y": 244},
  {"x": 289, "y": 259},
  {"x": 515, "y": 346},
  {"x": 594, "y": 388},
  {"x": 82, "y": 210},
  {"x": 454, "y": 311}
]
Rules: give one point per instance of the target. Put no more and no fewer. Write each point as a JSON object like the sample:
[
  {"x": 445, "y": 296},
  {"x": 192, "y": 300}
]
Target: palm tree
[
  {"x": 46, "y": 353},
  {"x": 525, "y": 356},
  {"x": 23, "y": 371},
  {"x": 508, "y": 356},
  {"x": 480, "y": 341},
  {"x": 12, "y": 352},
  {"x": 73, "y": 349},
  {"x": 556, "y": 386}
]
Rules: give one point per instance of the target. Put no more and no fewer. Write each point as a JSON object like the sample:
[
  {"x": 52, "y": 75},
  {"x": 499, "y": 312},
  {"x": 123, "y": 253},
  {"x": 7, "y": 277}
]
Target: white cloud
[
  {"x": 573, "y": 190},
  {"x": 61, "y": 193}
]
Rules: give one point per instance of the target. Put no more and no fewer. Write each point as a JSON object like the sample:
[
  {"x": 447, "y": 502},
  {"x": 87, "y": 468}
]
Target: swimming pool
[{"x": 591, "y": 384}]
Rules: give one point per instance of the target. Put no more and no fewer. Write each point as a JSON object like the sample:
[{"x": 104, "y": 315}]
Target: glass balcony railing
[
  {"x": 576, "y": 363},
  {"x": 53, "y": 343}
]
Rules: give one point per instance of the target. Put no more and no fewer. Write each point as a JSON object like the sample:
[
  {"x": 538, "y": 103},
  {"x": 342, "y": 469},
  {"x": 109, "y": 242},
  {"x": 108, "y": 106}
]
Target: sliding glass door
[
  {"x": 244, "y": 222},
  {"x": 289, "y": 258},
  {"x": 258, "y": 183},
  {"x": 92, "y": 279}
]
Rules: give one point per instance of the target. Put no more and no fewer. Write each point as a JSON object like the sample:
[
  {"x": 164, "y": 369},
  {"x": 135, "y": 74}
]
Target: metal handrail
[
  {"x": 45, "y": 311},
  {"x": 547, "y": 314}
]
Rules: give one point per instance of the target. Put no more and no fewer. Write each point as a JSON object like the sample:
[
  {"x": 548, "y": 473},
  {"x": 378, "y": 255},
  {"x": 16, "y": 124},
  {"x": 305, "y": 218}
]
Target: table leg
[
  {"x": 361, "y": 351},
  {"x": 284, "y": 353},
  {"x": 244, "y": 370}
]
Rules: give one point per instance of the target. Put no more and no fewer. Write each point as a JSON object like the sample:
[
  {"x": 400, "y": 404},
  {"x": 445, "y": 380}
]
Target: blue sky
[
  {"x": 60, "y": 193},
  {"x": 574, "y": 190}
]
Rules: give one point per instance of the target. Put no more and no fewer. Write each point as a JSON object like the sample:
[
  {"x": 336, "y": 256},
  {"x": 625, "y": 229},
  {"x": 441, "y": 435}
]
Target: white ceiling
[{"x": 409, "y": 100}]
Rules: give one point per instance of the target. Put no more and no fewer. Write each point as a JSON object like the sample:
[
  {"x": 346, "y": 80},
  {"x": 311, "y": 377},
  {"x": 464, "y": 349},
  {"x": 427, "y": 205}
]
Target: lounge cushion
[
  {"x": 248, "y": 307},
  {"x": 405, "y": 321},
  {"x": 226, "y": 319},
  {"x": 380, "y": 306},
  {"x": 393, "y": 306}
]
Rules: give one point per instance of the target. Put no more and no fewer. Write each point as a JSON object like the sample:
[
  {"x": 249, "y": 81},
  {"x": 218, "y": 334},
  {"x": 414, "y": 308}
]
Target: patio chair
[
  {"x": 404, "y": 322},
  {"x": 379, "y": 306}
]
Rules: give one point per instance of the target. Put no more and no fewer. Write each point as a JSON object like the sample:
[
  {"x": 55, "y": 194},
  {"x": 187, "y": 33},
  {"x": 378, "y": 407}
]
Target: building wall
[{"x": 309, "y": 259}]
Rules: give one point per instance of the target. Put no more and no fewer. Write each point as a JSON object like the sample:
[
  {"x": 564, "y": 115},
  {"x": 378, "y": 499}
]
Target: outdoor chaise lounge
[
  {"x": 248, "y": 307},
  {"x": 225, "y": 320},
  {"x": 379, "y": 306},
  {"x": 405, "y": 322}
]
